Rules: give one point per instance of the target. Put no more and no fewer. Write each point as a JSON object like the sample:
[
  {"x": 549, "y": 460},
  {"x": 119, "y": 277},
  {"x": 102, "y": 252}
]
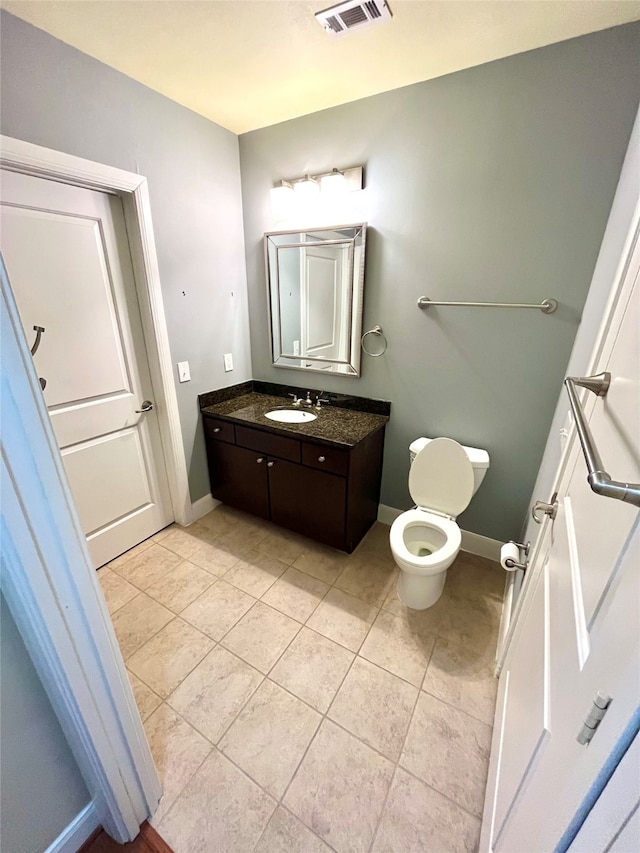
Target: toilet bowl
[{"x": 443, "y": 477}]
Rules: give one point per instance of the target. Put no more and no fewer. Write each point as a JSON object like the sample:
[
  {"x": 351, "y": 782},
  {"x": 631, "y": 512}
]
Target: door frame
[{"x": 19, "y": 156}]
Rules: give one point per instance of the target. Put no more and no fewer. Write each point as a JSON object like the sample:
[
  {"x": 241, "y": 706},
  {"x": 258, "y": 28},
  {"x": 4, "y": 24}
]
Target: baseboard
[
  {"x": 77, "y": 832},
  {"x": 202, "y": 506},
  {"x": 472, "y": 543}
]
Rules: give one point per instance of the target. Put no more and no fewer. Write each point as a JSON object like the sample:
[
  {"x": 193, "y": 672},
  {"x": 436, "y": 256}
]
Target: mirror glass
[{"x": 315, "y": 282}]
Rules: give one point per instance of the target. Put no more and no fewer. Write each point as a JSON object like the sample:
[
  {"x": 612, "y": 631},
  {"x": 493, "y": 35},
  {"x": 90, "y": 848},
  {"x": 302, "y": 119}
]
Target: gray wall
[
  {"x": 490, "y": 184},
  {"x": 41, "y": 789},
  {"x": 53, "y": 95}
]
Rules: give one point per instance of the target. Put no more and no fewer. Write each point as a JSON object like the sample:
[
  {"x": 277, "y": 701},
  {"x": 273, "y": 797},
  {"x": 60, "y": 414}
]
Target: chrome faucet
[
  {"x": 296, "y": 400},
  {"x": 320, "y": 399},
  {"x": 308, "y": 401}
]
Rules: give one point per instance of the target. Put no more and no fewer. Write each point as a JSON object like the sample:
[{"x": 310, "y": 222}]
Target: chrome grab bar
[
  {"x": 547, "y": 306},
  {"x": 600, "y": 482}
]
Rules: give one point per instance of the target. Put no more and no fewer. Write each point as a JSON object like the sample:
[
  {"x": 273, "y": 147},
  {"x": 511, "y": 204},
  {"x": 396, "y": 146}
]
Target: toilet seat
[{"x": 430, "y": 563}]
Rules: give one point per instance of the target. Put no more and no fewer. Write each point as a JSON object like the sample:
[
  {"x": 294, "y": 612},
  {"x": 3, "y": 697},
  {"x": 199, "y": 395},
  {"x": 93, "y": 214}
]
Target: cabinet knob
[
  {"x": 322, "y": 458},
  {"x": 269, "y": 464},
  {"x": 260, "y": 459},
  {"x": 216, "y": 429}
]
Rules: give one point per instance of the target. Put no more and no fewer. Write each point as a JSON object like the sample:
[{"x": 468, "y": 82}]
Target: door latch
[
  {"x": 550, "y": 509},
  {"x": 599, "y": 708}
]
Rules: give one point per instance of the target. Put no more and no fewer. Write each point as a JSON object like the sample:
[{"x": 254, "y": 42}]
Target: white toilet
[{"x": 443, "y": 477}]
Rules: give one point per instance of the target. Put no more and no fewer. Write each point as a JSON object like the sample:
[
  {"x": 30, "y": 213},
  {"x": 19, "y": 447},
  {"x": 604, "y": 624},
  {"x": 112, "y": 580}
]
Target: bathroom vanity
[{"x": 320, "y": 479}]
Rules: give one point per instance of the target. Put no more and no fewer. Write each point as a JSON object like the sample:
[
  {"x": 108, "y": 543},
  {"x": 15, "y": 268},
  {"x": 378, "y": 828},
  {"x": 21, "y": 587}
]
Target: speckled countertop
[{"x": 333, "y": 426}]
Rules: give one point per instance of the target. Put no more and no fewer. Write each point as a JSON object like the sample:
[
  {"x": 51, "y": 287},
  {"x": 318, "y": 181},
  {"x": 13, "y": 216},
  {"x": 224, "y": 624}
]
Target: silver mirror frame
[{"x": 349, "y": 367}]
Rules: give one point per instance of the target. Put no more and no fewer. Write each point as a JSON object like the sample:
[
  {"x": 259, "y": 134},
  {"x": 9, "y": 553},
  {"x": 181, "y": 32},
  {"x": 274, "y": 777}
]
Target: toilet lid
[{"x": 441, "y": 477}]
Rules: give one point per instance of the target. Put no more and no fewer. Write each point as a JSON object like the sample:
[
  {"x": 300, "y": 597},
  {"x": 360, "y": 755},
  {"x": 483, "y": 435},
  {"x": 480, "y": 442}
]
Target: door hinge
[{"x": 599, "y": 708}]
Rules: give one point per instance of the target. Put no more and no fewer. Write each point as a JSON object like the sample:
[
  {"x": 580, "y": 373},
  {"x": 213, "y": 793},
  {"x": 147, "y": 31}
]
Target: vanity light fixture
[
  {"x": 307, "y": 188},
  {"x": 329, "y": 184},
  {"x": 281, "y": 197}
]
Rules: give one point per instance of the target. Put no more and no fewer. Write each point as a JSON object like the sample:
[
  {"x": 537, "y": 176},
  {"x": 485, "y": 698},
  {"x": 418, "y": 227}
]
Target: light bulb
[
  {"x": 282, "y": 198},
  {"x": 333, "y": 184},
  {"x": 308, "y": 188}
]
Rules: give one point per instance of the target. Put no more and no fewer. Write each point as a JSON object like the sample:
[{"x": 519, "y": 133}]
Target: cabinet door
[
  {"x": 310, "y": 502},
  {"x": 238, "y": 477}
]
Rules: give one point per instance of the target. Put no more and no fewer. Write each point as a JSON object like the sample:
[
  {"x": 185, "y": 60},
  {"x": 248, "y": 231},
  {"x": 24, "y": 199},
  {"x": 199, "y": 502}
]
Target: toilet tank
[{"x": 479, "y": 459}]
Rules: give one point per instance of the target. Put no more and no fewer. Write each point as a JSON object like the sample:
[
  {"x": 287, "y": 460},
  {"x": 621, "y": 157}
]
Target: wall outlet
[
  {"x": 296, "y": 347},
  {"x": 184, "y": 374},
  {"x": 228, "y": 362}
]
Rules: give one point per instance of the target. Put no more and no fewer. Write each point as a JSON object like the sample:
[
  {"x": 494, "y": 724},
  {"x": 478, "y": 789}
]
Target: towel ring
[{"x": 377, "y": 330}]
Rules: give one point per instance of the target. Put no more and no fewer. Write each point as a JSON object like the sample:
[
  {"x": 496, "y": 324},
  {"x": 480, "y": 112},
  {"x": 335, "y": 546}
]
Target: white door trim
[
  {"x": 29, "y": 159},
  {"x": 54, "y": 596}
]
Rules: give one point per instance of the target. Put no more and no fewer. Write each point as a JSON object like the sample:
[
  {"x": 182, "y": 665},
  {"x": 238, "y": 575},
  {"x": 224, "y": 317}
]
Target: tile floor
[{"x": 293, "y": 704}]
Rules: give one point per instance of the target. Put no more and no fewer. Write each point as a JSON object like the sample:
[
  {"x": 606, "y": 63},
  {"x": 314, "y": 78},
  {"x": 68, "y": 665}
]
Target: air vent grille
[{"x": 353, "y": 15}]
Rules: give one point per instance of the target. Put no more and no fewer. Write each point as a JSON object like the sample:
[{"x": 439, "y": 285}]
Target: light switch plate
[
  {"x": 184, "y": 374},
  {"x": 228, "y": 362}
]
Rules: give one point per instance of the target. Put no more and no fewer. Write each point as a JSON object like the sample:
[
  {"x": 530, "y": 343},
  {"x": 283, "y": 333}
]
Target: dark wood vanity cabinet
[{"x": 326, "y": 493}]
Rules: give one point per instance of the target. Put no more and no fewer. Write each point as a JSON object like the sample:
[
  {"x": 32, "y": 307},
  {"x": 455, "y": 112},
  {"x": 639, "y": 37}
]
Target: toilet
[{"x": 443, "y": 477}]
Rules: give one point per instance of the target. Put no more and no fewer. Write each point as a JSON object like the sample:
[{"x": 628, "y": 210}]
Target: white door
[
  {"x": 580, "y": 633},
  {"x": 68, "y": 261}
]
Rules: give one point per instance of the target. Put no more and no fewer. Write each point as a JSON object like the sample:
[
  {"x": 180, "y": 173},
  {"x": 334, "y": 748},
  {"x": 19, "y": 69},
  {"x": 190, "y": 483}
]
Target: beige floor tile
[
  {"x": 128, "y": 555},
  {"x": 296, "y": 594},
  {"x": 146, "y": 699},
  {"x": 213, "y": 694},
  {"x": 471, "y": 576},
  {"x": 138, "y": 621},
  {"x": 270, "y": 736},
  {"x": 416, "y": 818},
  {"x": 220, "y": 811},
  {"x": 149, "y": 566},
  {"x": 167, "y": 658},
  {"x": 343, "y": 618},
  {"x": 457, "y": 675},
  {"x": 219, "y": 522},
  {"x": 261, "y": 636},
  {"x": 313, "y": 668},
  {"x": 339, "y": 789},
  {"x": 376, "y": 542},
  {"x": 448, "y": 750},
  {"x": 403, "y": 646},
  {"x": 256, "y": 573},
  {"x": 368, "y": 578},
  {"x": 181, "y": 586},
  {"x": 322, "y": 562},
  {"x": 183, "y": 541},
  {"x": 285, "y": 834},
  {"x": 178, "y": 750},
  {"x": 214, "y": 558},
  {"x": 117, "y": 591},
  {"x": 472, "y": 622},
  {"x": 283, "y": 544},
  {"x": 218, "y": 609},
  {"x": 375, "y": 706}
]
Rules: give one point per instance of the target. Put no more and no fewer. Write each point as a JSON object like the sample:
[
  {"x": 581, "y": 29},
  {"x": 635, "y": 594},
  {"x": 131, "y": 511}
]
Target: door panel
[
  {"x": 109, "y": 478},
  {"x": 592, "y": 572},
  {"x": 69, "y": 265},
  {"x": 73, "y": 244},
  {"x": 526, "y": 702}
]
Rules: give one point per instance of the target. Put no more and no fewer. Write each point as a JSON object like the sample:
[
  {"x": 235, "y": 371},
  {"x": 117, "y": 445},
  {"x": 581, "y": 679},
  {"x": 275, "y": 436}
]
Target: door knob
[
  {"x": 269, "y": 464},
  {"x": 147, "y": 406},
  {"x": 550, "y": 509},
  {"x": 260, "y": 459},
  {"x": 322, "y": 458}
]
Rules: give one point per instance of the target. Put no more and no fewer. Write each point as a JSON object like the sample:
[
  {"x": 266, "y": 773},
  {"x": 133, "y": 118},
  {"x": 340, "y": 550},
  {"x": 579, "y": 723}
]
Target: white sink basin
[{"x": 291, "y": 416}]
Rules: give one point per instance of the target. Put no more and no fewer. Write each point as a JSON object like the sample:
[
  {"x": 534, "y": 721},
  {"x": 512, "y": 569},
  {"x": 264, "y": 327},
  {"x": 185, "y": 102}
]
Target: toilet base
[{"x": 419, "y": 591}]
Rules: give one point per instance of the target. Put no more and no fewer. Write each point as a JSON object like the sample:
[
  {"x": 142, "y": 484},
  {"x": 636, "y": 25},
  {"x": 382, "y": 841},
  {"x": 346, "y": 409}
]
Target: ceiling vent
[{"x": 353, "y": 15}]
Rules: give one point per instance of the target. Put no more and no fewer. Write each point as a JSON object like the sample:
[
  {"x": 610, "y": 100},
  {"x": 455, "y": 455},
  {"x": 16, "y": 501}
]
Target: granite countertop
[{"x": 333, "y": 426}]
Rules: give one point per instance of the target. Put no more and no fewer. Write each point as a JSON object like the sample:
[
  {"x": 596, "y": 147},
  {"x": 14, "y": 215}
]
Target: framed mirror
[{"x": 315, "y": 284}]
